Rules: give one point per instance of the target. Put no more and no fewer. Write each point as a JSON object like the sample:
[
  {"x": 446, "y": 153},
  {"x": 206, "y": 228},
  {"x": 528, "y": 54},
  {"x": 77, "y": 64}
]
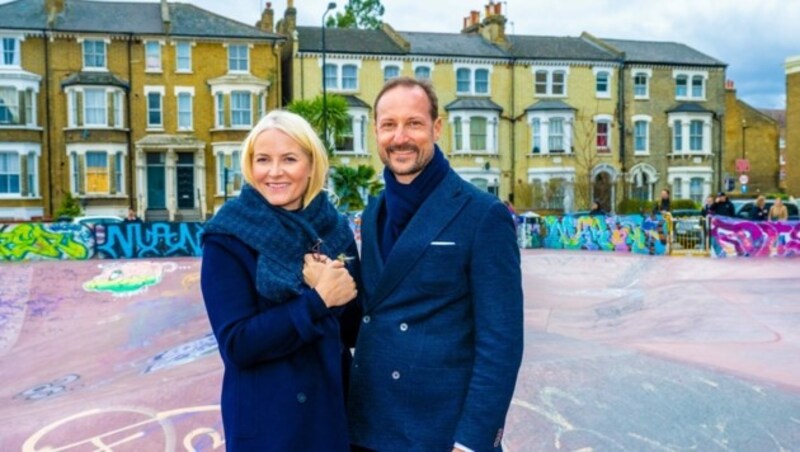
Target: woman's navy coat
[{"x": 283, "y": 384}]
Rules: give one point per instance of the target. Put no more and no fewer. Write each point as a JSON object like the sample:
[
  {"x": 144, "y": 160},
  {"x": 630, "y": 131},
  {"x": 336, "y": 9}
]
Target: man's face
[{"x": 405, "y": 131}]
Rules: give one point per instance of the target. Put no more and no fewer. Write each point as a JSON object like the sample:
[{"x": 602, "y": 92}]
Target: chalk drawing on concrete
[
  {"x": 49, "y": 389},
  {"x": 183, "y": 354},
  {"x": 125, "y": 279}
]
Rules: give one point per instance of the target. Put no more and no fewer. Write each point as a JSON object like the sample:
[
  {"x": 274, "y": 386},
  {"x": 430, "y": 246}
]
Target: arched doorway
[{"x": 604, "y": 179}]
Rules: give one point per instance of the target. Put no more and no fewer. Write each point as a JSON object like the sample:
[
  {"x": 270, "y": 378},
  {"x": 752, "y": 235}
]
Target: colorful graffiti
[
  {"x": 41, "y": 241},
  {"x": 128, "y": 278},
  {"x": 731, "y": 238},
  {"x": 629, "y": 233},
  {"x": 147, "y": 240}
]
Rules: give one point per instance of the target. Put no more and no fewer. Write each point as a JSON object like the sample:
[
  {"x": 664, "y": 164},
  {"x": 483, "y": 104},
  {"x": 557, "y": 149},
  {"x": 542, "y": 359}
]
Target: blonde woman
[
  {"x": 277, "y": 296},
  {"x": 778, "y": 212},
  {"x": 760, "y": 211}
]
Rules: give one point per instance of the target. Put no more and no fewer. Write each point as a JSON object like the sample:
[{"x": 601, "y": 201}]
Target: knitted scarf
[
  {"x": 281, "y": 237},
  {"x": 403, "y": 200}
]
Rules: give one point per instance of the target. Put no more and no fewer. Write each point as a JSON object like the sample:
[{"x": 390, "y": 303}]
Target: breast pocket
[{"x": 442, "y": 270}]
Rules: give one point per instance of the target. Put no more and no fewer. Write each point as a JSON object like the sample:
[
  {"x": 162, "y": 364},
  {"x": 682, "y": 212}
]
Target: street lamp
[
  {"x": 331, "y": 7},
  {"x": 744, "y": 137}
]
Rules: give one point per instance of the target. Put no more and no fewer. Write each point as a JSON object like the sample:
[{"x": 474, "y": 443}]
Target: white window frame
[
  {"x": 685, "y": 119},
  {"x": 690, "y": 76},
  {"x": 608, "y": 120},
  {"x": 238, "y": 58},
  {"x": 550, "y": 71},
  {"x": 609, "y": 77},
  {"x": 153, "y": 56},
  {"x": 154, "y": 90},
  {"x": 16, "y": 54},
  {"x": 565, "y": 173},
  {"x": 105, "y": 42},
  {"x": 221, "y": 151},
  {"x": 647, "y": 120},
  {"x": 76, "y": 150},
  {"x": 31, "y": 90},
  {"x": 472, "y": 69},
  {"x": 359, "y": 123},
  {"x": 391, "y": 64},
  {"x": 103, "y": 96},
  {"x": 339, "y": 64},
  {"x": 544, "y": 117},
  {"x": 184, "y": 92},
  {"x": 248, "y": 113},
  {"x": 465, "y": 117},
  {"x": 685, "y": 174},
  {"x": 429, "y": 66},
  {"x": 24, "y": 151},
  {"x": 188, "y": 46},
  {"x": 634, "y": 177},
  {"x": 648, "y": 75}
]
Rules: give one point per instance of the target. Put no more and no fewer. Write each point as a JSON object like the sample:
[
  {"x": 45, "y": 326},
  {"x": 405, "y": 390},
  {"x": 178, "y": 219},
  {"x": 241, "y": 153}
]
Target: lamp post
[
  {"x": 744, "y": 138},
  {"x": 331, "y": 7}
]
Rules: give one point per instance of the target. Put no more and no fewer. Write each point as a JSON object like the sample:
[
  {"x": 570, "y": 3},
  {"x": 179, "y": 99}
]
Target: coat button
[
  {"x": 301, "y": 397},
  {"x": 366, "y": 319},
  {"x": 403, "y": 326},
  {"x": 395, "y": 375}
]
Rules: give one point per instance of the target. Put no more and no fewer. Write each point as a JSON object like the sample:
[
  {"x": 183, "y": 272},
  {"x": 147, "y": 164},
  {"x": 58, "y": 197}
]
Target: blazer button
[
  {"x": 403, "y": 326},
  {"x": 395, "y": 375},
  {"x": 366, "y": 319},
  {"x": 301, "y": 397}
]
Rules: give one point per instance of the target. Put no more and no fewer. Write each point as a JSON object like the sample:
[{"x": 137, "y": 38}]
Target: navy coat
[
  {"x": 440, "y": 342},
  {"x": 283, "y": 383}
]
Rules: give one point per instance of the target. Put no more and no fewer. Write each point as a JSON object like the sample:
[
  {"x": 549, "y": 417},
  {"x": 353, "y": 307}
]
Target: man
[
  {"x": 441, "y": 337},
  {"x": 132, "y": 218},
  {"x": 723, "y": 207}
]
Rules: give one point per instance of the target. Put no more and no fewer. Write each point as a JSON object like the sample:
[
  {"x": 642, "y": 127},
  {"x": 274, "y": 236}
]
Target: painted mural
[
  {"x": 45, "y": 241},
  {"x": 732, "y": 238},
  {"x": 148, "y": 240},
  {"x": 125, "y": 279},
  {"x": 621, "y": 233}
]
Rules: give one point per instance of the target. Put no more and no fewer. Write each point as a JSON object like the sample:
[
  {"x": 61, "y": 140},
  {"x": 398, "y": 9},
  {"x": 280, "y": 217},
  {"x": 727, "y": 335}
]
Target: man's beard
[{"x": 418, "y": 165}]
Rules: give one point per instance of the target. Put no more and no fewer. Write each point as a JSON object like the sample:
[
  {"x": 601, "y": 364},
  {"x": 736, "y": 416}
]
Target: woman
[
  {"x": 277, "y": 295},
  {"x": 778, "y": 212},
  {"x": 760, "y": 211}
]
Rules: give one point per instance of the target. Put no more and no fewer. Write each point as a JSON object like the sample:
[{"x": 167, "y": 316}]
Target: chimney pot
[{"x": 729, "y": 84}]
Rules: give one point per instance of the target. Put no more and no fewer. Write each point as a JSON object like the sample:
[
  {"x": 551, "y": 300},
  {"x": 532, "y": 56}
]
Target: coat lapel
[
  {"x": 432, "y": 217},
  {"x": 371, "y": 261}
]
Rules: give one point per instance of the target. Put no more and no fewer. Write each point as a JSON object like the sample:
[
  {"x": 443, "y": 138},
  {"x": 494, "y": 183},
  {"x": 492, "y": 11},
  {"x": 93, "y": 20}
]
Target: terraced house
[
  {"x": 127, "y": 104},
  {"x": 549, "y": 122}
]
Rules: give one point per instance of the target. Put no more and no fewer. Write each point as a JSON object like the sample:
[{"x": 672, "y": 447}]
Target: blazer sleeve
[
  {"x": 247, "y": 335},
  {"x": 496, "y": 284}
]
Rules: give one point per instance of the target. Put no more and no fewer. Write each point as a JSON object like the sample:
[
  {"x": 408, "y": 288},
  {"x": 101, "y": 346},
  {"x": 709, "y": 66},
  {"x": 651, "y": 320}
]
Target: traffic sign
[
  {"x": 744, "y": 188},
  {"x": 743, "y": 179}
]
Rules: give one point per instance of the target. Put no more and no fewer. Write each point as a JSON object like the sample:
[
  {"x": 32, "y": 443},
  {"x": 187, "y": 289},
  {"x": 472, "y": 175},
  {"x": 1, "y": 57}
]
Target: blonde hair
[{"x": 299, "y": 130}]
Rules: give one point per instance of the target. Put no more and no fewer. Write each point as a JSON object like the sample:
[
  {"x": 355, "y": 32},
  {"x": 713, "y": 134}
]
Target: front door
[
  {"x": 185, "y": 174},
  {"x": 602, "y": 191},
  {"x": 156, "y": 176}
]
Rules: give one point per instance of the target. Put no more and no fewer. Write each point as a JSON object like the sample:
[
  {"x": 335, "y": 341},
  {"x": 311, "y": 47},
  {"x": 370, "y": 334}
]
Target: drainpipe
[
  {"x": 276, "y": 52},
  {"x": 131, "y": 156},
  {"x": 622, "y": 129},
  {"x": 48, "y": 126},
  {"x": 513, "y": 132}
]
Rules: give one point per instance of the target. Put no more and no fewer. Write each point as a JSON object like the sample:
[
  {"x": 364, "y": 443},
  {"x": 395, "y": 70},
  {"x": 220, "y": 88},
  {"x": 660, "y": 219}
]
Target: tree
[
  {"x": 359, "y": 14},
  {"x": 70, "y": 207},
  {"x": 351, "y": 183},
  {"x": 312, "y": 111}
]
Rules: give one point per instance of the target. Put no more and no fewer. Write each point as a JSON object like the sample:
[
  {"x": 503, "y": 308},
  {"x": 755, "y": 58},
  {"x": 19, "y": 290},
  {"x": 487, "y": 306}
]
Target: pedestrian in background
[
  {"x": 760, "y": 211},
  {"x": 723, "y": 207},
  {"x": 778, "y": 212}
]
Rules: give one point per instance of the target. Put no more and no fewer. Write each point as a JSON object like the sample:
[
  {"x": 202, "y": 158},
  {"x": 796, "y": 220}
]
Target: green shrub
[{"x": 70, "y": 207}]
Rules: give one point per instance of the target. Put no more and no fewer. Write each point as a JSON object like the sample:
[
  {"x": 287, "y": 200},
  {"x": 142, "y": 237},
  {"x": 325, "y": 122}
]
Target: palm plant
[{"x": 350, "y": 183}]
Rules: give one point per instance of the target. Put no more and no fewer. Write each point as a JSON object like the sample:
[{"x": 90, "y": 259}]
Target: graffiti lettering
[
  {"x": 731, "y": 237},
  {"x": 631, "y": 233},
  {"x": 145, "y": 240},
  {"x": 38, "y": 241}
]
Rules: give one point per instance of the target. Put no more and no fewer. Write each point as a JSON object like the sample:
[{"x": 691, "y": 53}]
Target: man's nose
[{"x": 400, "y": 135}]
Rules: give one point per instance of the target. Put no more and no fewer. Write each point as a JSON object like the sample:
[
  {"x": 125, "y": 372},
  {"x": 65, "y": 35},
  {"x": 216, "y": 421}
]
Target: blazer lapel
[{"x": 432, "y": 217}]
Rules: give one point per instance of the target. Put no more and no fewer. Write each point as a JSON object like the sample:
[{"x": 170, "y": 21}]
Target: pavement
[{"x": 622, "y": 352}]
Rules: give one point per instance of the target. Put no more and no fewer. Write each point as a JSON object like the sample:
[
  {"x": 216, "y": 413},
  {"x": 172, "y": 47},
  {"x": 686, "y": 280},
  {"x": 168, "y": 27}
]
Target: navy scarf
[
  {"x": 282, "y": 237},
  {"x": 403, "y": 200}
]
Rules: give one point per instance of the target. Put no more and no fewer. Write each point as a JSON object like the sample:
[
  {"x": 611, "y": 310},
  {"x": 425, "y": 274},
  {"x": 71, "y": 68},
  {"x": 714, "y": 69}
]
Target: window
[
  {"x": 154, "y": 110},
  {"x": 118, "y": 102},
  {"x": 696, "y": 135},
  {"x": 9, "y": 109},
  {"x": 220, "y": 104},
  {"x": 331, "y": 79},
  {"x": 10, "y": 56},
  {"x": 345, "y": 142},
  {"x": 349, "y": 77},
  {"x": 183, "y": 56},
  {"x": 477, "y": 133},
  {"x": 677, "y": 136},
  {"x": 118, "y": 172},
  {"x": 556, "y": 136},
  {"x": 97, "y": 180},
  {"x": 640, "y": 85},
  {"x": 641, "y": 186},
  {"x": 94, "y": 54},
  {"x": 552, "y": 81},
  {"x": 390, "y": 72},
  {"x": 33, "y": 170},
  {"x": 342, "y": 76},
  {"x": 677, "y": 188},
  {"x": 238, "y": 58},
  {"x": 690, "y": 85},
  {"x": 697, "y": 87},
  {"x": 422, "y": 73},
  {"x": 602, "y": 84},
  {"x": 94, "y": 107},
  {"x": 640, "y": 136},
  {"x": 184, "y": 111},
  {"x": 241, "y": 109},
  {"x": 696, "y": 189},
  {"x": 229, "y": 172},
  {"x": 602, "y": 136},
  {"x": 472, "y": 80},
  {"x": 152, "y": 56},
  {"x": 681, "y": 86},
  {"x": 536, "y": 131},
  {"x": 458, "y": 134},
  {"x": 9, "y": 173}
]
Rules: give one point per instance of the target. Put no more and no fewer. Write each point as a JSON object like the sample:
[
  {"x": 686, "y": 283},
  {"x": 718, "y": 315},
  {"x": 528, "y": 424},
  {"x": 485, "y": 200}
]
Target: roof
[
  {"x": 452, "y": 45},
  {"x": 550, "y": 105},
  {"x": 355, "y": 102},
  {"x": 138, "y": 18},
  {"x": 95, "y": 78},
  {"x": 473, "y": 103},
  {"x": 689, "y": 107},
  {"x": 557, "y": 48},
  {"x": 653, "y": 52},
  {"x": 347, "y": 40}
]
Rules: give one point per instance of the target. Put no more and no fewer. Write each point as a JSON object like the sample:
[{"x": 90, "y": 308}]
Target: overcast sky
[{"x": 754, "y": 37}]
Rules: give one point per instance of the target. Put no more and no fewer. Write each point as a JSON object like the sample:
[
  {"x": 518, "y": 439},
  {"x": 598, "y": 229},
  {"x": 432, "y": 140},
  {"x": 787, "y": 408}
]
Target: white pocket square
[{"x": 443, "y": 243}]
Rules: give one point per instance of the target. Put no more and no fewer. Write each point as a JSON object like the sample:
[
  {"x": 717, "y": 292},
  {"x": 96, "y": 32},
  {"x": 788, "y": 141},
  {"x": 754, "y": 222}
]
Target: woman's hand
[
  {"x": 333, "y": 284},
  {"x": 312, "y": 268}
]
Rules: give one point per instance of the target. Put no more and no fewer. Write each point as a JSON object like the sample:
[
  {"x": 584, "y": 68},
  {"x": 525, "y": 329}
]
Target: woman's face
[{"x": 281, "y": 169}]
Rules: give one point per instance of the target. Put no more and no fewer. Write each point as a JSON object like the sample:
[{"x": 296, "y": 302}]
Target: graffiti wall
[
  {"x": 148, "y": 240},
  {"x": 731, "y": 238},
  {"x": 622, "y": 233},
  {"x": 44, "y": 241}
]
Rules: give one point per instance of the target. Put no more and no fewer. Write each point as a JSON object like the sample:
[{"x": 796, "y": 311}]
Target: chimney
[
  {"x": 267, "y": 19},
  {"x": 53, "y": 8},
  {"x": 729, "y": 85},
  {"x": 493, "y": 27},
  {"x": 472, "y": 22},
  {"x": 165, "y": 15},
  {"x": 288, "y": 24}
]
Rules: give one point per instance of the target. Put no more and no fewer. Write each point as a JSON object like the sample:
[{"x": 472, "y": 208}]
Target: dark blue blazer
[
  {"x": 440, "y": 342},
  {"x": 283, "y": 385}
]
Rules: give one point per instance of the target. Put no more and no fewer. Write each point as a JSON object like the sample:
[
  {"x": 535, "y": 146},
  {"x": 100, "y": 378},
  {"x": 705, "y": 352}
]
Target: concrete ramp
[{"x": 622, "y": 352}]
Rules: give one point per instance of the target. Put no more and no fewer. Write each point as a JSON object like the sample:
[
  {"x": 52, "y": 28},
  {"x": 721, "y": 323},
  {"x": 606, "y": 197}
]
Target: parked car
[
  {"x": 94, "y": 220},
  {"x": 744, "y": 208}
]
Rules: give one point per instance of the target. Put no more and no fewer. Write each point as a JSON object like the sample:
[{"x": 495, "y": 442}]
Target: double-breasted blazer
[{"x": 440, "y": 341}]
